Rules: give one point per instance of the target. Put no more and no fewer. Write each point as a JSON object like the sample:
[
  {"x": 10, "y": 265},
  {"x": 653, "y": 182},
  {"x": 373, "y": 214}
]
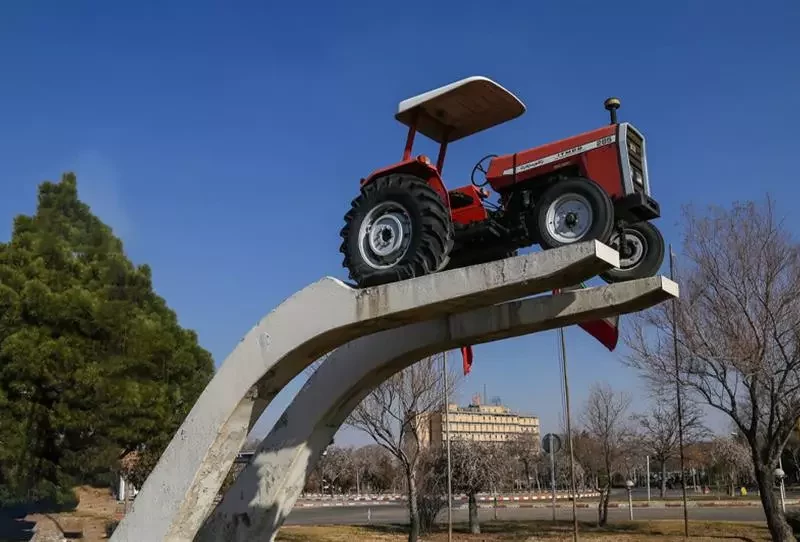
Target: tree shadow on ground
[{"x": 15, "y": 528}]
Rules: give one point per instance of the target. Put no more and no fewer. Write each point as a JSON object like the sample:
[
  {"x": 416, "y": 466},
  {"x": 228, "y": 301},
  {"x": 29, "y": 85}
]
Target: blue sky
[{"x": 224, "y": 142}]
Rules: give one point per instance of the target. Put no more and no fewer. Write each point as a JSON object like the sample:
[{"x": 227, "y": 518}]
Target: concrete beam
[
  {"x": 180, "y": 491},
  {"x": 266, "y": 490}
]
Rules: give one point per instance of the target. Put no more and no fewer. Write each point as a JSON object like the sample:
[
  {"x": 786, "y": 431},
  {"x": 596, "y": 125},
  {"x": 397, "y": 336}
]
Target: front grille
[{"x": 636, "y": 160}]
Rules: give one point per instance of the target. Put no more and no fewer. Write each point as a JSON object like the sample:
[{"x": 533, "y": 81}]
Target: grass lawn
[{"x": 534, "y": 531}]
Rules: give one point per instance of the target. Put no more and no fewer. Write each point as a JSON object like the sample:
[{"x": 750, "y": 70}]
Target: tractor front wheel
[
  {"x": 641, "y": 256},
  {"x": 572, "y": 211},
  {"x": 396, "y": 229}
]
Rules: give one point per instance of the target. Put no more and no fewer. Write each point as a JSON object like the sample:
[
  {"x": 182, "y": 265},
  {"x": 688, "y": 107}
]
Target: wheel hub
[
  {"x": 384, "y": 235},
  {"x": 626, "y": 251},
  {"x": 632, "y": 252},
  {"x": 569, "y": 218}
]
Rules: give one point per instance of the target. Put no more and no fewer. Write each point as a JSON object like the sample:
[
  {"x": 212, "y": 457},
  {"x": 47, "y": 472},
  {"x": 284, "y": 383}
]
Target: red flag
[
  {"x": 466, "y": 357},
  {"x": 605, "y": 330}
]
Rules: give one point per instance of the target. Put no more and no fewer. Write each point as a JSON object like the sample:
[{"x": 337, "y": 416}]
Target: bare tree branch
[
  {"x": 393, "y": 415},
  {"x": 737, "y": 331},
  {"x": 658, "y": 432},
  {"x": 606, "y": 436}
]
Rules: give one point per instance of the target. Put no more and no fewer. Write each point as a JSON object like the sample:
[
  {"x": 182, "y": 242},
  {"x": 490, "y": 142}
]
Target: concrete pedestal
[
  {"x": 179, "y": 493},
  {"x": 264, "y": 493}
]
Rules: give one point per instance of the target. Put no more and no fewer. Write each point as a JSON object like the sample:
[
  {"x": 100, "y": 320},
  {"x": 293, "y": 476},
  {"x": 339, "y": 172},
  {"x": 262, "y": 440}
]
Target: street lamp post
[
  {"x": 629, "y": 487},
  {"x": 678, "y": 398},
  {"x": 779, "y": 474},
  {"x": 553, "y": 473}
]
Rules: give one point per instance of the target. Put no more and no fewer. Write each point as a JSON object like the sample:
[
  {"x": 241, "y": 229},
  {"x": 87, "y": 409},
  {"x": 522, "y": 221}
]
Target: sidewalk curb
[
  {"x": 481, "y": 498},
  {"x": 584, "y": 504}
]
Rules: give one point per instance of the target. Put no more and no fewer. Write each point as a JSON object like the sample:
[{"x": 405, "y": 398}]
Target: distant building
[{"x": 475, "y": 422}]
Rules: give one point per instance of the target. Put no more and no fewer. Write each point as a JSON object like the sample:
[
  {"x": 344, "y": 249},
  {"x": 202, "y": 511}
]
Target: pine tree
[{"x": 93, "y": 364}]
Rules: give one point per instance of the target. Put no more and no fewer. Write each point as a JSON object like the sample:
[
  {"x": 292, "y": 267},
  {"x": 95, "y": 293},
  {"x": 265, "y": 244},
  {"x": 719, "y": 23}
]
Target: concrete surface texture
[
  {"x": 180, "y": 491},
  {"x": 266, "y": 490}
]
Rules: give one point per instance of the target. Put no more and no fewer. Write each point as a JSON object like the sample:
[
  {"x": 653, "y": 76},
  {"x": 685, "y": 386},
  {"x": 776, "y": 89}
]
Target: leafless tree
[
  {"x": 606, "y": 432},
  {"x": 431, "y": 485},
  {"x": 394, "y": 415},
  {"x": 658, "y": 432},
  {"x": 334, "y": 465},
  {"x": 587, "y": 453},
  {"x": 476, "y": 466},
  {"x": 738, "y": 332},
  {"x": 563, "y": 473},
  {"x": 382, "y": 473},
  {"x": 731, "y": 459},
  {"x": 562, "y": 463},
  {"x": 524, "y": 448},
  {"x": 361, "y": 463},
  {"x": 366, "y": 468}
]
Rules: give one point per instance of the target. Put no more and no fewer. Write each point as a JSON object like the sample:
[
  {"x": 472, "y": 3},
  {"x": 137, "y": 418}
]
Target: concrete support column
[
  {"x": 180, "y": 491},
  {"x": 256, "y": 505}
]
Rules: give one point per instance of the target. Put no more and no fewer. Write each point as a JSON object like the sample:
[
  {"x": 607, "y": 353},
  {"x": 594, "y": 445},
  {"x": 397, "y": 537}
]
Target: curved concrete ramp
[
  {"x": 264, "y": 493},
  {"x": 180, "y": 491}
]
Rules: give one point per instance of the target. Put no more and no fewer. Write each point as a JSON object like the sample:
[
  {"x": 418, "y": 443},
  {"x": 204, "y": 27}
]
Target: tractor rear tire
[
  {"x": 397, "y": 228},
  {"x": 647, "y": 253},
  {"x": 572, "y": 211}
]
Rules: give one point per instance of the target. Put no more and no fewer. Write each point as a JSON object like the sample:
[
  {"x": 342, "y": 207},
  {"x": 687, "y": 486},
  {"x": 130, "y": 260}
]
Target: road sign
[{"x": 552, "y": 442}]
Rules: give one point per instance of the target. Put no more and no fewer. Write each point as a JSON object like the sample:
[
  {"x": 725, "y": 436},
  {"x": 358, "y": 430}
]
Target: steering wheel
[{"x": 479, "y": 167}]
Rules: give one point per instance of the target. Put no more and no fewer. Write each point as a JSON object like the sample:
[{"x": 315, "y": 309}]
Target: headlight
[{"x": 637, "y": 177}]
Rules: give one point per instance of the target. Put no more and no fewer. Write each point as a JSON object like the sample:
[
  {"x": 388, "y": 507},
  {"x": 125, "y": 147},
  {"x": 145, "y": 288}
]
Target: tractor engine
[{"x": 593, "y": 185}]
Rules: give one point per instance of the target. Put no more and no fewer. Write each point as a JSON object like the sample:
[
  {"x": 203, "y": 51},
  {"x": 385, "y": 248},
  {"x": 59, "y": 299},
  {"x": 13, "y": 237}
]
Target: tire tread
[{"x": 433, "y": 247}]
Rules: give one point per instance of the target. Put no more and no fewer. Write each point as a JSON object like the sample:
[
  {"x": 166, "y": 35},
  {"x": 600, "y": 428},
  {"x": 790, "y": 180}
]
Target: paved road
[{"x": 353, "y": 515}]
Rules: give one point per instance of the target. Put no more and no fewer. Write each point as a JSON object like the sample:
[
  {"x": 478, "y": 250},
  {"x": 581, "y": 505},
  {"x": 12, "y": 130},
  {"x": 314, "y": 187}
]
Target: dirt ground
[
  {"x": 96, "y": 508},
  {"x": 651, "y": 531}
]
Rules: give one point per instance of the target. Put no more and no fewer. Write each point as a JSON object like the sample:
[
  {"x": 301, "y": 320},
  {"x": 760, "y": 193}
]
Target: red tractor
[{"x": 406, "y": 223}]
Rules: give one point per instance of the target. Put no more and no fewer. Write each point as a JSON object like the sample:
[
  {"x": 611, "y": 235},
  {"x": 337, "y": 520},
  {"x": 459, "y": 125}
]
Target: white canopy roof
[{"x": 460, "y": 109}]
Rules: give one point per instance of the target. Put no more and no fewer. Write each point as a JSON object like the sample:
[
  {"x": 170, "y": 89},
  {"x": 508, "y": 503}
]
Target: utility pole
[
  {"x": 447, "y": 438},
  {"x": 678, "y": 396},
  {"x": 553, "y": 472},
  {"x": 569, "y": 437}
]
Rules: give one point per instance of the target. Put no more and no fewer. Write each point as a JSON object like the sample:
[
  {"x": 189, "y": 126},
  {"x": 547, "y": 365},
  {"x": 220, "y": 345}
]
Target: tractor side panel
[
  {"x": 473, "y": 212},
  {"x": 548, "y": 158},
  {"x": 416, "y": 168}
]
